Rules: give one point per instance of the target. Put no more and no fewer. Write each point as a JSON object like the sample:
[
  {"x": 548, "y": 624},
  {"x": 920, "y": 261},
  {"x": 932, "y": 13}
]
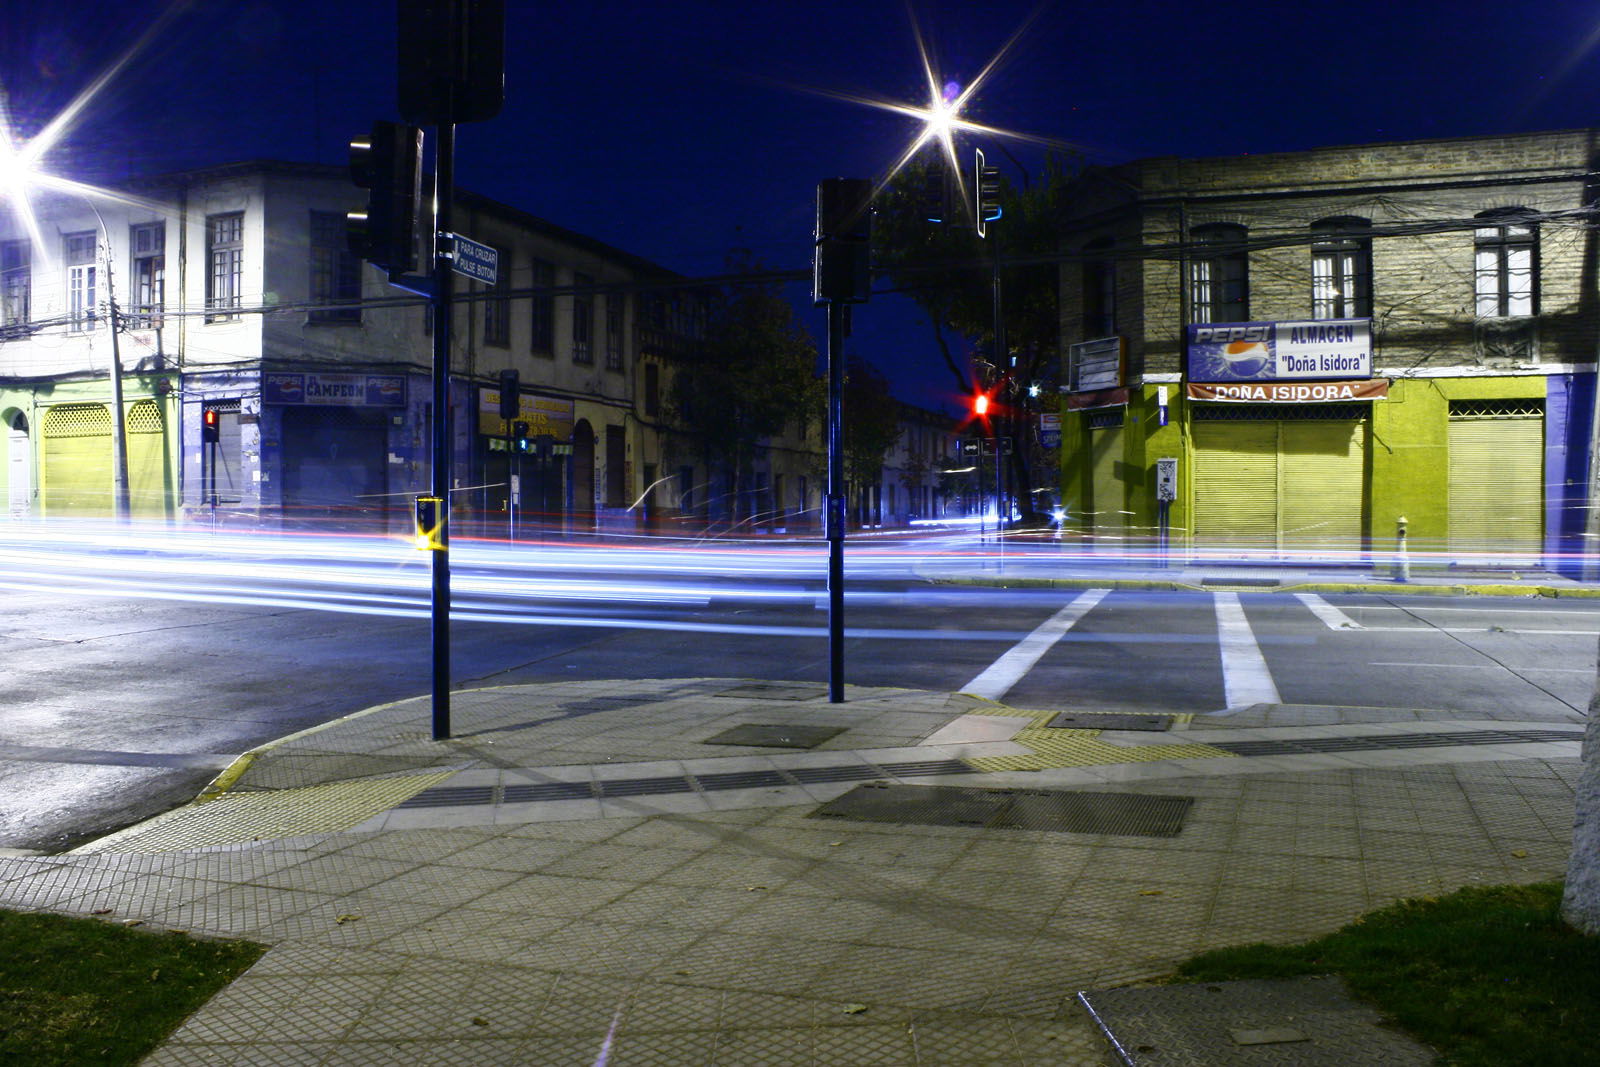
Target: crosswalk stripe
[
  {"x": 1003, "y": 673},
  {"x": 1245, "y": 678}
]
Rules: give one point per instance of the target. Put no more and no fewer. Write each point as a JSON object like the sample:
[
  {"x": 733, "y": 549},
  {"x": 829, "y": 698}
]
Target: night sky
[{"x": 678, "y": 130}]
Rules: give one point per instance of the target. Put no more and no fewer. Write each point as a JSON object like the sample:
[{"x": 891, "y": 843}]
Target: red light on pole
[{"x": 980, "y": 405}]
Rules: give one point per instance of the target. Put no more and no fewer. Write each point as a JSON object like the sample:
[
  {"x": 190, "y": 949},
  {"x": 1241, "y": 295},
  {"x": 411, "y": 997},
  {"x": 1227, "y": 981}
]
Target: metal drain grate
[
  {"x": 1059, "y": 811},
  {"x": 1378, "y": 742},
  {"x": 1100, "y": 720},
  {"x": 756, "y": 735}
]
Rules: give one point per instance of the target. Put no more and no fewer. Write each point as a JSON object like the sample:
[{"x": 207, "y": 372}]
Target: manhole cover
[
  {"x": 1310, "y": 1021},
  {"x": 775, "y": 691},
  {"x": 1060, "y": 811},
  {"x": 759, "y": 736},
  {"x": 1071, "y": 720}
]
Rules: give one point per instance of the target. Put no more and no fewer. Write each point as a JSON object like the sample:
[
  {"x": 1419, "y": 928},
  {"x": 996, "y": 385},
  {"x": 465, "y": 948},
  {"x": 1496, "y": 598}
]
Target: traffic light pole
[
  {"x": 444, "y": 192},
  {"x": 835, "y": 520}
]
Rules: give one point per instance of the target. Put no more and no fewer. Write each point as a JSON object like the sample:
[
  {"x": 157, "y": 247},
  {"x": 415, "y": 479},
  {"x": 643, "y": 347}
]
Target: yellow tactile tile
[
  {"x": 1079, "y": 748},
  {"x": 239, "y": 818}
]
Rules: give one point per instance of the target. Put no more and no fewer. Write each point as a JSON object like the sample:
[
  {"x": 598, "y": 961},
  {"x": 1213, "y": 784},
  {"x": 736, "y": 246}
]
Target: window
[
  {"x": 616, "y": 467},
  {"x": 582, "y": 319},
  {"x": 16, "y": 283},
  {"x": 1341, "y": 269},
  {"x": 1505, "y": 257},
  {"x": 225, "y": 260},
  {"x": 1219, "y": 275},
  {"x": 652, "y": 390},
  {"x": 81, "y": 280},
  {"x": 1099, "y": 291},
  {"x": 497, "y": 309},
  {"x": 614, "y": 331},
  {"x": 148, "y": 242},
  {"x": 335, "y": 272},
  {"x": 542, "y": 322}
]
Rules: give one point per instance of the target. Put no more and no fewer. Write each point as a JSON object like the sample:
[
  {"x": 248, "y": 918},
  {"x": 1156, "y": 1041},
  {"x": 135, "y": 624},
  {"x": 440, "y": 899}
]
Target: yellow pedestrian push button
[{"x": 429, "y": 524}]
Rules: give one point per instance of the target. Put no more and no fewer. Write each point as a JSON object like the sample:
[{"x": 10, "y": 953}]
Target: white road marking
[
  {"x": 1245, "y": 678},
  {"x": 1005, "y": 672},
  {"x": 1480, "y": 611},
  {"x": 1331, "y": 616},
  {"x": 1474, "y": 630}
]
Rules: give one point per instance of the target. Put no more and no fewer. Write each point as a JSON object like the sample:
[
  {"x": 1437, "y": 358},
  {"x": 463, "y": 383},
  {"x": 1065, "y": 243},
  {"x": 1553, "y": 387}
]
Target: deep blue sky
[{"x": 668, "y": 128}]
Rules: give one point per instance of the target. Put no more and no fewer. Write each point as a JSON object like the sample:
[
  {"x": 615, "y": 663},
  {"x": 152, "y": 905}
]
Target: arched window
[
  {"x": 1341, "y": 268},
  {"x": 1219, "y": 282},
  {"x": 1505, "y": 258}
]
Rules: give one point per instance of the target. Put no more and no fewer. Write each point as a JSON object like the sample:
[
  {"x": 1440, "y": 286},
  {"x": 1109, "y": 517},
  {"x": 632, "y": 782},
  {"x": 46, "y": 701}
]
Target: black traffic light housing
[
  {"x": 388, "y": 163},
  {"x": 510, "y": 398},
  {"x": 452, "y": 60},
  {"x": 210, "y": 428},
  {"x": 519, "y": 436},
  {"x": 986, "y": 195},
  {"x": 842, "y": 271}
]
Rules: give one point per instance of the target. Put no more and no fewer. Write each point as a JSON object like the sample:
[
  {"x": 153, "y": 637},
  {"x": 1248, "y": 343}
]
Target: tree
[
  {"x": 752, "y": 374},
  {"x": 950, "y": 272},
  {"x": 871, "y": 426}
]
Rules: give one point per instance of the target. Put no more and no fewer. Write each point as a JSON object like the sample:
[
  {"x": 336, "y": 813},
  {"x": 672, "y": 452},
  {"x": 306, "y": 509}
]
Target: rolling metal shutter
[
  {"x": 1236, "y": 484},
  {"x": 1106, "y": 491},
  {"x": 1321, "y": 468},
  {"x": 76, "y": 477},
  {"x": 1496, "y": 471},
  {"x": 1282, "y": 480},
  {"x": 149, "y": 472}
]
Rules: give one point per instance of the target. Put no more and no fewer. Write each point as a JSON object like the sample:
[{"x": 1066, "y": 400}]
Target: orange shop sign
[{"x": 1290, "y": 392}]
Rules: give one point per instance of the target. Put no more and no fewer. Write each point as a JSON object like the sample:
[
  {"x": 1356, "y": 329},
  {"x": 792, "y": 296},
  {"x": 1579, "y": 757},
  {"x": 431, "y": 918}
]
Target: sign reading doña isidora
[{"x": 1274, "y": 351}]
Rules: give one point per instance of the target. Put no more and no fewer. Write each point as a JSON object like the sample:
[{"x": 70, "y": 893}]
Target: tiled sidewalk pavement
[{"x": 756, "y": 934}]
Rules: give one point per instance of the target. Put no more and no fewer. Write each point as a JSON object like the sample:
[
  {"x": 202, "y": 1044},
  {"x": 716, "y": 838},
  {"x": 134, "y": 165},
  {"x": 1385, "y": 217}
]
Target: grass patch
[
  {"x": 1487, "y": 976},
  {"x": 83, "y": 991}
]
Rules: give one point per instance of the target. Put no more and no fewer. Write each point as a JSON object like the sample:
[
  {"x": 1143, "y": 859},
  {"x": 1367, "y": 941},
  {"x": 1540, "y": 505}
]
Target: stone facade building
[{"x": 1330, "y": 341}]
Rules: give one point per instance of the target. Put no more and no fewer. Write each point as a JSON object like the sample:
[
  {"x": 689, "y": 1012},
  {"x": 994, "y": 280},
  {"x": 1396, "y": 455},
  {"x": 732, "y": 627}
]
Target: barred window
[
  {"x": 335, "y": 271},
  {"x": 614, "y": 331},
  {"x": 1341, "y": 269},
  {"x": 497, "y": 309},
  {"x": 16, "y": 286},
  {"x": 542, "y": 320},
  {"x": 225, "y": 256},
  {"x": 82, "y": 279},
  {"x": 148, "y": 242},
  {"x": 1505, "y": 258},
  {"x": 1219, "y": 274},
  {"x": 582, "y": 319}
]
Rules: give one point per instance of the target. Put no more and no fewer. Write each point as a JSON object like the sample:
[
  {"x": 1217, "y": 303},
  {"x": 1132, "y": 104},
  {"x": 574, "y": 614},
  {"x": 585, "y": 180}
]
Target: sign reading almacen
[{"x": 1290, "y": 392}]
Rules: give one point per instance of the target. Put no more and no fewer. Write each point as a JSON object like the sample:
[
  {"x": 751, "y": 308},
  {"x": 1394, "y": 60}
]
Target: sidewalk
[{"x": 640, "y": 872}]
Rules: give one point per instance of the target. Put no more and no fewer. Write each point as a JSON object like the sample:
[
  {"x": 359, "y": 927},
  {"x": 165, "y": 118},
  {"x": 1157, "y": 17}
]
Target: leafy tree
[
  {"x": 752, "y": 374},
  {"x": 950, "y": 272},
  {"x": 871, "y": 425}
]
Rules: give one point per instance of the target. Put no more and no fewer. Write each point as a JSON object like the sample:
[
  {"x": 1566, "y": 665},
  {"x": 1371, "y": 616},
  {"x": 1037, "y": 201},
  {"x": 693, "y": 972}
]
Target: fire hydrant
[{"x": 1402, "y": 562}]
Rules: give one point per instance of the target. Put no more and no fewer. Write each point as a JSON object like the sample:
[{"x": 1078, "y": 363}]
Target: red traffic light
[
  {"x": 209, "y": 428},
  {"x": 980, "y": 404}
]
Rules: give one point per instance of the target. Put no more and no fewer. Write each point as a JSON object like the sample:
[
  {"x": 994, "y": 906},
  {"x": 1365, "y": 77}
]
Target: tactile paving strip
[
  {"x": 1376, "y": 742},
  {"x": 451, "y": 796},
  {"x": 240, "y": 818},
  {"x": 1054, "y": 747}
]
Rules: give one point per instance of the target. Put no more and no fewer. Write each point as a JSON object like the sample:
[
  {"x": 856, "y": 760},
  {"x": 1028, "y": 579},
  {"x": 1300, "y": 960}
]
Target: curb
[{"x": 1174, "y": 586}]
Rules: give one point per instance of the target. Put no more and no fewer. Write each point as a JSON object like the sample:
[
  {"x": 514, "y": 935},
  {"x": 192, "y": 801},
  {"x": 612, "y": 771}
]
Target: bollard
[{"x": 1402, "y": 563}]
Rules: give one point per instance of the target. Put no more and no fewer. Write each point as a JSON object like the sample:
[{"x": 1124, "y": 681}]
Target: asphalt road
[{"x": 134, "y": 671}]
